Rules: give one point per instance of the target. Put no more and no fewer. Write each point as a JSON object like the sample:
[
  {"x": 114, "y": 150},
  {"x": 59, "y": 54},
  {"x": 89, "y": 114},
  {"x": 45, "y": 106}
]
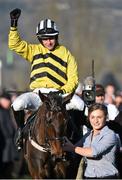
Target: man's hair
[
  {"x": 99, "y": 90},
  {"x": 5, "y": 95},
  {"x": 97, "y": 106}
]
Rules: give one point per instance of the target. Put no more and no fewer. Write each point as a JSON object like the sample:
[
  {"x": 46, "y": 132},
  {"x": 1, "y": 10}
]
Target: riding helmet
[{"x": 46, "y": 28}]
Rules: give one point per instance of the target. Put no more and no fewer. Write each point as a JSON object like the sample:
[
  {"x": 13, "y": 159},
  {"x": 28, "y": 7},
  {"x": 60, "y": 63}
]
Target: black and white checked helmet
[{"x": 45, "y": 28}]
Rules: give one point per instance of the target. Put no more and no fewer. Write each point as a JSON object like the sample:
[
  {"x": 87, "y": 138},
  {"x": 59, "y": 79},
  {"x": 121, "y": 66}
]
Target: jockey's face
[{"x": 49, "y": 43}]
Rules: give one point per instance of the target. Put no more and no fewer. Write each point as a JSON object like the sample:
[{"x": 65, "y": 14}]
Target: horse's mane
[
  {"x": 55, "y": 102},
  {"x": 52, "y": 102}
]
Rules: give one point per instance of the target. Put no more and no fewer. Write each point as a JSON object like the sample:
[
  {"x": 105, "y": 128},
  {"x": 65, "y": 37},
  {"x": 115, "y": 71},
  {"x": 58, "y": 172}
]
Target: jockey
[{"x": 53, "y": 68}]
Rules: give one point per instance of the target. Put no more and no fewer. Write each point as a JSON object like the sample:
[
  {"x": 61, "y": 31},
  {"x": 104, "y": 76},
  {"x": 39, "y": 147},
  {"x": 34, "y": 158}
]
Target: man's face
[
  {"x": 49, "y": 43},
  {"x": 97, "y": 119},
  {"x": 100, "y": 99},
  {"x": 5, "y": 103}
]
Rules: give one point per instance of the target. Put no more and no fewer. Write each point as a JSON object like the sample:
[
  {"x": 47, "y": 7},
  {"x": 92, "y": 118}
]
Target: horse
[{"x": 43, "y": 148}]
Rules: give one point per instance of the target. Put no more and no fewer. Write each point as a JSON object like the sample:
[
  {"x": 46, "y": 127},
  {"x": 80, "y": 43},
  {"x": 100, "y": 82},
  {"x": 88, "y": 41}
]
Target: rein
[
  {"x": 55, "y": 138},
  {"x": 42, "y": 148},
  {"x": 32, "y": 138},
  {"x": 37, "y": 146}
]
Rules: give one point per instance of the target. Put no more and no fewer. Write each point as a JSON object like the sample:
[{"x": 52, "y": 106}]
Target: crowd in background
[{"x": 12, "y": 163}]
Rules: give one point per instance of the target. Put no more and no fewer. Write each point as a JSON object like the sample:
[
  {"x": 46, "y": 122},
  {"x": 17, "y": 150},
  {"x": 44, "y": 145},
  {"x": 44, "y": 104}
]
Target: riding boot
[{"x": 19, "y": 118}]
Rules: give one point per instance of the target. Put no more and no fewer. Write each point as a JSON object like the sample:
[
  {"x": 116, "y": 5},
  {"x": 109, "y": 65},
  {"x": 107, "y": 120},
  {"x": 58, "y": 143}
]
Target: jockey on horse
[{"x": 53, "y": 67}]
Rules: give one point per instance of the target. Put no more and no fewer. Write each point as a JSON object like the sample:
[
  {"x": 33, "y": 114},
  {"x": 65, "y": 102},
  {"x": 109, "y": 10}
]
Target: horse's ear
[
  {"x": 67, "y": 99},
  {"x": 42, "y": 96}
]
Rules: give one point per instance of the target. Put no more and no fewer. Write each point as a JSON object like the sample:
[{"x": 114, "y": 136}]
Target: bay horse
[{"x": 44, "y": 153}]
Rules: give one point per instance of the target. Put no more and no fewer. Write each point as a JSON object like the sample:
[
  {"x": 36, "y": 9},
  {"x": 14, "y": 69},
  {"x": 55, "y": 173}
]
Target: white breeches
[
  {"x": 32, "y": 101},
  {"x": 28, "y": 101}
]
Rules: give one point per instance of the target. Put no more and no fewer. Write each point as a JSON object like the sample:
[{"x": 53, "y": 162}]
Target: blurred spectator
[
  {"x": 110, "y": 89},
  {"x": 7, "y": 128},
  {"x": 110, "y": 94},
  {"x": 12, "y": 162},
  {"x": 100, "y": 98},
  {"x": 100, "y": 94},
  {"x": 109, "y": 99},
  {"x": 118, "y": 101}
]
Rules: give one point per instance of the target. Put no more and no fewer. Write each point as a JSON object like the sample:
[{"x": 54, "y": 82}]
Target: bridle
[
  {"x": 48, "y": 124},
  {"x": 46, "y": 147}
]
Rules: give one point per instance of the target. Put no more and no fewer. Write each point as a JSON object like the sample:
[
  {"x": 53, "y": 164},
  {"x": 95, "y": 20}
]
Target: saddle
[{"x": 27, "y": 127}]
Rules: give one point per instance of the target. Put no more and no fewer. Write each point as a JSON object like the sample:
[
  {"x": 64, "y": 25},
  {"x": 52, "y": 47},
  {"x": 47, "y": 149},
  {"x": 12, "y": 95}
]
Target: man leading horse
[{"x": 53, "y": 68}]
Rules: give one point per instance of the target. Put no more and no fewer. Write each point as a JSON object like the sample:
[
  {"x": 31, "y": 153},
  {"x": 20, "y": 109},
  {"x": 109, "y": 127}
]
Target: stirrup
[
  {"x": 18, "y": 139},
  {"x": 19, "y": 146},
  {"x": 18, "y": 135}
]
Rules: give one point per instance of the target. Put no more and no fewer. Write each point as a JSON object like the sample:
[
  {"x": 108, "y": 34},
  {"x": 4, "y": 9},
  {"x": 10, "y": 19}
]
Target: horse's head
[{"x": 53, "y": 121}]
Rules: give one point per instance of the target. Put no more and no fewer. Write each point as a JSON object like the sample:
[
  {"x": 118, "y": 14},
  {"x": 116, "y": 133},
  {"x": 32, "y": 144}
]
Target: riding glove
[
  {"x": 59, "y": 92},
  {"x": 14, "y": 15}
]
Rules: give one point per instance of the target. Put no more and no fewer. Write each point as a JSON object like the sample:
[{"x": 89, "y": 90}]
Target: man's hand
[
  {"x": 14, "y": 15},
  {"x": 68, "y": 146}
]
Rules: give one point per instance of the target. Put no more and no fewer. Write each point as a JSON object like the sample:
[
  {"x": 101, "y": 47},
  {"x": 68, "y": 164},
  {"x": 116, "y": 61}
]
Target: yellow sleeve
[
  {"x": 72, "y": 75},
  {"x": 19, "y": 46}
]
